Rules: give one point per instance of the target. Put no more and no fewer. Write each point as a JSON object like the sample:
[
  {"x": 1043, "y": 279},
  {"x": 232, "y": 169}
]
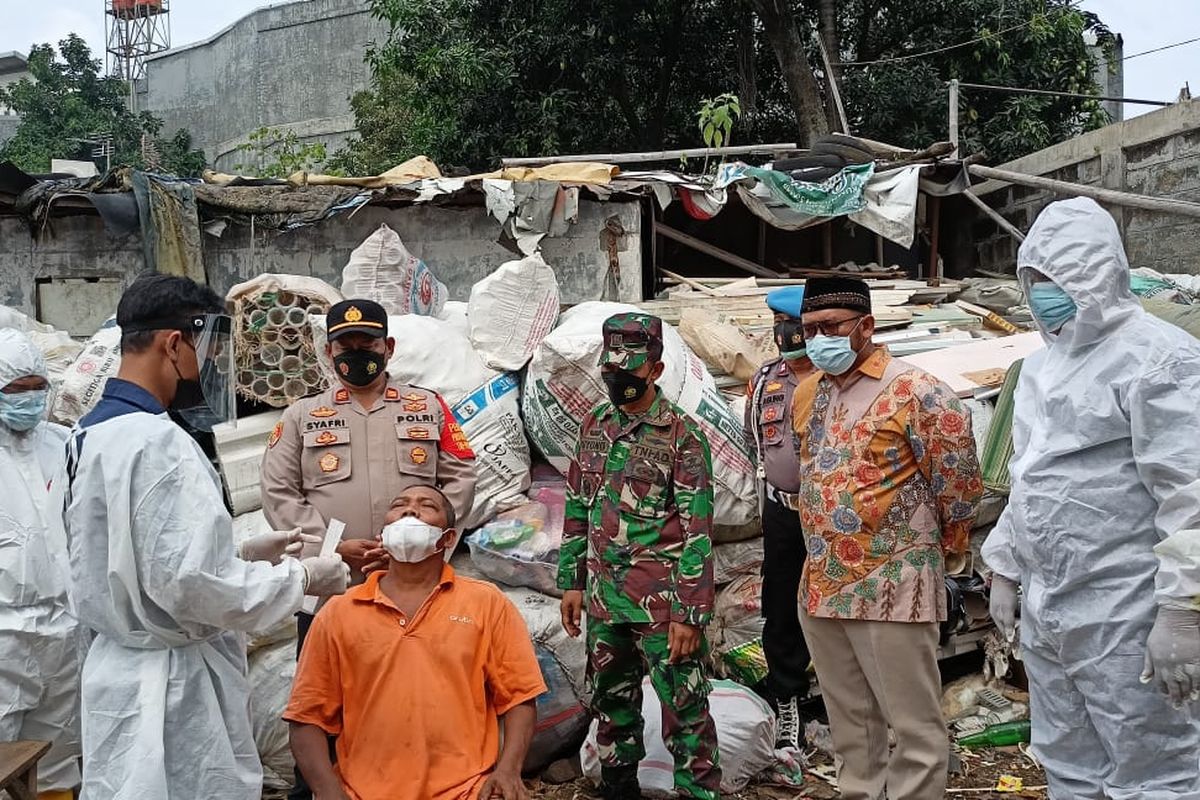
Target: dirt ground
[{"x": 978, "y": 773}]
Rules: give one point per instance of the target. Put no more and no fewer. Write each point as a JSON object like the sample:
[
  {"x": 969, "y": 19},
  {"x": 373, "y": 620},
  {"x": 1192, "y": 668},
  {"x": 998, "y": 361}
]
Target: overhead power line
[
  {"x": 1160, "y": 49},
  {"x": 911, "y": 56},
  {"x": 908, "y": 57}
]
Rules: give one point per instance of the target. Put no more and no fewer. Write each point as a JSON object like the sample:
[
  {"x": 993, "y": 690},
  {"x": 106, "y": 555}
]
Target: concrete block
[
  {"x": 1176, "y": 176},
  {"x": 78, "y": 306},
  {"x": 1153, "y": 152},
  {"x": 1089, "y": 171}
]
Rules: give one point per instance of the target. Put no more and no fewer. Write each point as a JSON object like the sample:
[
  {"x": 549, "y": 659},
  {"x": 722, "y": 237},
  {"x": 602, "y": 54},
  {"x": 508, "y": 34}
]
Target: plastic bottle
[{"x": 1003, "y": 735}]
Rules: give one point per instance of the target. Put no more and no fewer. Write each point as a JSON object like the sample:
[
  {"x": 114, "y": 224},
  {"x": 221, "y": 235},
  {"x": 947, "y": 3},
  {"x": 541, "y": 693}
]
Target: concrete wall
[
  {"x": 457, "y": 242},
  {"x": 291, "y": 66},
  {"x": 1154, "y": 154},
  {"x": 8, "y": 127}
]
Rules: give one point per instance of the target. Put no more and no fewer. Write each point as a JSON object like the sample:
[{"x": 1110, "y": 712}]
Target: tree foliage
[
  {"x": 469, "y": 81},
  {"x": 274, "y": 153},
  {"x": 69, "y": 102},
  {"x": 1035, "y": 44}
]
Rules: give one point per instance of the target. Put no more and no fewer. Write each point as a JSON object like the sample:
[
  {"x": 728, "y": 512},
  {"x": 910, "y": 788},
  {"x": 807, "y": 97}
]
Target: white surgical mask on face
[{"x": 409, "y": 540}]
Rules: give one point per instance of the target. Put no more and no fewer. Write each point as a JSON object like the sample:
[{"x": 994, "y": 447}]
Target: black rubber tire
[
  {"x": 809, "y": 160},
  {"x": 852, "y": 154}
]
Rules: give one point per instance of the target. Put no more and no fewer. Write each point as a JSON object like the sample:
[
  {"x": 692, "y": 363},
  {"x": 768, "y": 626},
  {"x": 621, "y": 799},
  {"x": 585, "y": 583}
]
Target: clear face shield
[{"x": 215, "y": 401}]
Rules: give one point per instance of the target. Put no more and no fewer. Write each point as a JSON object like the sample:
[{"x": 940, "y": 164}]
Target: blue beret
[{"x": 786, "y": 300}]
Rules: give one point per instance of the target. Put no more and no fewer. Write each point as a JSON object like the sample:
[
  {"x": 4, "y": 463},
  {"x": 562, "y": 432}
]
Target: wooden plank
[
  {"x": 712, "y": 250},
  {"x": 954, "y": 365},
  {"x": 697, "y": 286},
  {"x": 1183, "y": 208},
  {"x": 935, "y": 270},
  {"x": 18, "y": 767}
]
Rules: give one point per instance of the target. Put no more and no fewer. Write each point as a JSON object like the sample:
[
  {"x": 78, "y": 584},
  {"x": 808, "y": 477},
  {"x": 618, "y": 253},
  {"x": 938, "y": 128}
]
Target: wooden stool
[{"x": 18, "y": 768}]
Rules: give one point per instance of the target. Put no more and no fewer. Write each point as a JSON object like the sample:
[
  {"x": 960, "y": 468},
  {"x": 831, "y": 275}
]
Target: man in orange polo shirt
[{"x": 411, "y": 671}]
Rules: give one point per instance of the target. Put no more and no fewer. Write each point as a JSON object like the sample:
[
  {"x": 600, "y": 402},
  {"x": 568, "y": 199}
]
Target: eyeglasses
[{"x": 831, "y": 328}]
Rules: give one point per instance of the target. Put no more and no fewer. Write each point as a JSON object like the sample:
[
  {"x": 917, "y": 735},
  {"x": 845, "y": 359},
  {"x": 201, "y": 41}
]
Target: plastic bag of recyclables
[
  {"x": 436, "y": 354},
  {"x": 745, "y": 735},
  {"x": 520, "y": 547},
  {"x": 563, "y": 384}
]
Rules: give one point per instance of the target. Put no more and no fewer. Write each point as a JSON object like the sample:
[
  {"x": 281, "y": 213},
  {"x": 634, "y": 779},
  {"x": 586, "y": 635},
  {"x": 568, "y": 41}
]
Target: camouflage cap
[{"x": 631, "y": 339}]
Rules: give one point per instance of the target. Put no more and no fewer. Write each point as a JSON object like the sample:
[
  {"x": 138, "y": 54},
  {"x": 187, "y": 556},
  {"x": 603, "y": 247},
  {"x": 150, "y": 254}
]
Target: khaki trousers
[{"x": 876, "y": 675}]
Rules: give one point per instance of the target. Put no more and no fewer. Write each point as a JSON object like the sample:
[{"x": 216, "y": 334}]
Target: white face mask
[{"x": 409, "y": 540}]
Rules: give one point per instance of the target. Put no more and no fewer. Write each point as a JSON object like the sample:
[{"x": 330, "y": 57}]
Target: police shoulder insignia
[
  {"x": 414, "y": 397},
  {"x": 341, "y": 396},
  {"x": 392, "y": 394},
  {"x": 771, "y": 414},
  {"x": 322, "y": 412},
  {"x": 329, "y": 462},
  {"x": 418, "y": 433},
  {"x": 325, "y": 437},
  {"x": 415, "y": 408},
  {"x": 276, "y": 434},
  {"x": 773, "y": 386},
  {"x": 418, "y": 455}
]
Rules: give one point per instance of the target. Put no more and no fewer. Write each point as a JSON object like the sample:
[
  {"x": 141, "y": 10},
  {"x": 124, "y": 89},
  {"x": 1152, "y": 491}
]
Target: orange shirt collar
[{"x": 371, "y": 592}]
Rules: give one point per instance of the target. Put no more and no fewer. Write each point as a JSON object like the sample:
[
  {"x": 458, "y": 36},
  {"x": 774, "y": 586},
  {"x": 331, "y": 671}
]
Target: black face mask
[
  {"x": 624, "y": 387},
  {"x": 789, "y": 336},
  {"x": 359, "y": 367}
]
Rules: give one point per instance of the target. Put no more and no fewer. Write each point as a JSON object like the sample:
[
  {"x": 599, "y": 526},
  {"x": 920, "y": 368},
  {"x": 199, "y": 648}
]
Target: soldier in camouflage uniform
[{"x": 639, "y": 511}]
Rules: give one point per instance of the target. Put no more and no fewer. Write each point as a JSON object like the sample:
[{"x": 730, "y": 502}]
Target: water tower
[{"x": 136, "y": 29}]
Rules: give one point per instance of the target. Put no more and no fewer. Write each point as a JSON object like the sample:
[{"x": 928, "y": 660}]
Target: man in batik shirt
[
  {"x": 889, "y": 486},
  {"x": 638, "y": 519}
]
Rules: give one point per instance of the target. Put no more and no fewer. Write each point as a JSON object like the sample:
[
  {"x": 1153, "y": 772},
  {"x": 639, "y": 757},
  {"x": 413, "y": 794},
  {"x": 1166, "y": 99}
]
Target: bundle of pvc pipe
[{"x": 276, "y": 361}]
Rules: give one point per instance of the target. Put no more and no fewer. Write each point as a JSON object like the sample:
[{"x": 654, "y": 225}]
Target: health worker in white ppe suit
[
  {"x": 39, "y": 638},
  {"x": 1102, "y": 529},
  {"x": 165, "y": 700}
]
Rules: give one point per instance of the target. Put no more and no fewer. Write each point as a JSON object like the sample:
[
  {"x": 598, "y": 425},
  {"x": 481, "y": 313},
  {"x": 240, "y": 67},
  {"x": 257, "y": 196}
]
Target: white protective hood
[{"x": 1076, "y": 244}]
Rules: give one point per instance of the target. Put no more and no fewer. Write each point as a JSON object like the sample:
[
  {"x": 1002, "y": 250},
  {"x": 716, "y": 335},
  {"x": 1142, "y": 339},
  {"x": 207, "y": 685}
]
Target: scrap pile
[{"x": 519, "y": 377}]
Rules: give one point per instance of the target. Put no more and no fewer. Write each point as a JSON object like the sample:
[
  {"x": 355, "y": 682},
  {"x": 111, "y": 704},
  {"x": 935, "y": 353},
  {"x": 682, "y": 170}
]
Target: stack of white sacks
[{"x": 514, "y": 373}]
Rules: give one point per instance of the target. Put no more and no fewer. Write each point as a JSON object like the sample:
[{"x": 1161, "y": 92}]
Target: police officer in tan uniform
[
  {"x": 348, "y": 452},
  {"x": 769, "y": 425}
]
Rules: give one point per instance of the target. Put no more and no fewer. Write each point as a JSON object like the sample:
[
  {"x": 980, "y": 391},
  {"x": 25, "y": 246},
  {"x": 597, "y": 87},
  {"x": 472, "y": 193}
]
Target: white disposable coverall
[
  {"x": 39, "y": 639},
  {"x": 1104, "y": 476},
  {"x": 165, "y": 695}
]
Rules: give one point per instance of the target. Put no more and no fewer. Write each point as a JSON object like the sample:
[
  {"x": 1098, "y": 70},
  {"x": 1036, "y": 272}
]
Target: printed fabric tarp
[
  {"x": 889, "y": 206},
  {"x": 836, "y": 196}
]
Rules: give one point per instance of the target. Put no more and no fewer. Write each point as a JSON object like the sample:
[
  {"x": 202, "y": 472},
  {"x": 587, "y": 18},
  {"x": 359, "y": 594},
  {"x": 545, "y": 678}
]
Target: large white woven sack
[
  {"x": 512, "y": 310},
  {"x": 382, "y": 269}
]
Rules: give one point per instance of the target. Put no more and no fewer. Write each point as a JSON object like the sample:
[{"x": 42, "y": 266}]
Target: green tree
[
  {"x": 1022, "y": 43},
  {"x": 469, "y": 81},
  {"x": 69, "y": 102},
  {"x": 275, "y": 153}
]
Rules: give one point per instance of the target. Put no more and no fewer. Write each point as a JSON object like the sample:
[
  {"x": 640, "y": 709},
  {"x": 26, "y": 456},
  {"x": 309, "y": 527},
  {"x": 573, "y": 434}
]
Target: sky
[{"x": 1144, "y": 24}]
